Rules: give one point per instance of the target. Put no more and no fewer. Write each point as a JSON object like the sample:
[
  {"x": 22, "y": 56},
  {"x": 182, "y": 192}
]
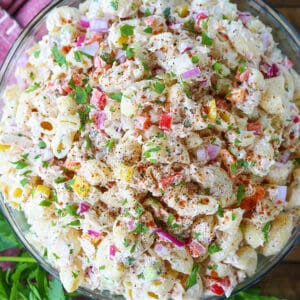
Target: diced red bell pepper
[
  {"x": 67, "y": 89},
  {"x": 165, "y": 121},
  {"x": 169, "y": 180},
  {"x": 195, "y": 249},
  {"x": 77, "y": 78},
  {"x": 256, "y": 127},
  {"x": 99, "y": 99},
  {"x": 217, "y": 289},
  {"x": 222, "y": 104},
  {"x": 142, "y": 122},
  {"x": 224, "y": 281}
]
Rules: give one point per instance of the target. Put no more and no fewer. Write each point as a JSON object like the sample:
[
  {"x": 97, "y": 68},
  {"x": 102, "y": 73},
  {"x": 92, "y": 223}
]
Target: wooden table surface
[{"x": 284, "y": 280}]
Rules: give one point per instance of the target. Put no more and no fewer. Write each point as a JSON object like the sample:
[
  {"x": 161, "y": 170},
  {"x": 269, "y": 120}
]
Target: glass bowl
[{"x": 289, "y": 42}]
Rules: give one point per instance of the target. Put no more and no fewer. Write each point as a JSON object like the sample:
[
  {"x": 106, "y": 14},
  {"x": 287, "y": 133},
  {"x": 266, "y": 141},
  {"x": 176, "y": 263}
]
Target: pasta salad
[{"x": 153, "y": 146}]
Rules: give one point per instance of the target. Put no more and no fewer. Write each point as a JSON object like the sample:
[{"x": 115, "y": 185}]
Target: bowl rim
[{"x": 7, "y": 211}]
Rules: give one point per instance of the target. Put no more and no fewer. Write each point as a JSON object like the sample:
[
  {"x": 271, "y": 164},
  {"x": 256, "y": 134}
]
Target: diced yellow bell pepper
[
  {"x": 124, "y": 172},
  {"x": 182, "y": 10},
  {"x": 4, "y": 147},
  {"x": 81, "y": 187},
  {"x": 123, "y": 40},
  {"x": 42, "y": 189},
  {"x": 18, "y": 192},
  {"x": 225, "y": 116},
  {"x": 212, "y": 114}
]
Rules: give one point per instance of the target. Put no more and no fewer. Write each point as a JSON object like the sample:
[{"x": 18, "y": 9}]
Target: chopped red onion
[
  {"x": 8, "y": 252},
  {"x": 205, "y": 83},
  {"x": 184, "y": 47},
  {"x": 84, "y": 207},
  {"x": 213, "y": 151},
  {"x": 287, "y": 63},
  {"x": 244, "y": 17},
  {"x": 202, "y": 15},
  {"x": 281, "y": 193},
  {"x": 191, "y": 73},
  {"x": 285, "y": 156},
  {"x": 169, "y": 237},
  {"x": 100, "y": 118},
  {"x": 99, "y": 25},
  {"x": 121, "y": 56},
  {"x": 91, "y": 49},
  {"x": 270, "y": 71},
  {"x": 84, "y": 22},
  {"x": 112, "y": 251},
  {"x": 202, "y": 155},
  {"x": 278, "y": 164},
  {"x": 80, "y": 41},
  {"x": 93, "y": 233},
  {"x": 266, "y": 39},
  {"x": 130, "y": 225}
]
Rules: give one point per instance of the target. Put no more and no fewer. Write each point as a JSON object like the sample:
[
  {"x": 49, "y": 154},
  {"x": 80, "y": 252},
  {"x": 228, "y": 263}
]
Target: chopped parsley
[
  {"x": 148, "y": 29},
  {"x": 240, "y": 194},
  {"x": 59, "y": 57},
  {"x": 46, "y": 203},
  {"x": 77, "y": 56},
  {"x": 296, "y": 161},
  {"x": 115, "y": 4},
  {"x": 20, "y": 164},
  {"x": 237, "y": 141},
  {"x": 126, "y": 30},
  {"x": 24, "y": 181},
  {"x": 36, "y": 54},
  {"x": 266, "y": 230},
  {"x": 233, "y": 169},
  {"x": 109, "y": 144},
  {"x": 129, "y": 52},
  {"x": 147, "y": 12},
  {"x": 33, "y": 88},
  {"x": 140, "y": 228},
  {"x": 60, "y": 179},
  {"x": 195, "y": 59},
  {"x": 45, "y": 164},
  {"x": 71, "y": 210},
  {"x": 170, "y": 220},
  {"x": 192, "y": 279},
  {"x": 42, "y": 145},
  {"x": 74, "y": 223},
  {"x": 214, "y": 248},
  {"x": 167, "y": 13},
  {"x": 206, "y": 40},
  {"x": 158, "y": 87},
  {"x": 126, "y": 243},
  {"x": 101, "y": 268},
  {"x": 160, "y": 134},
  {"x": 190, "y": 26},
  {"x": 233, "y": 216},
  {"x": 132, "y": 249},
  {"x": 147, "y": 153},
  {"x": 81, "y": 94},
  {"x": 217, "y": 66},
  {"x": 220, "y": 211},
  {"x": 116, "y": 96}
]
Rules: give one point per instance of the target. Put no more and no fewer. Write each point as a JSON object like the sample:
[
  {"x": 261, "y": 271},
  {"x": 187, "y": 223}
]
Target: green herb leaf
[
  {"x": 60, "y": 179},
  {"x": 148, "y": 29},
  {"x": 42, "y": 145},
  {"x": 220, "y": 211},
  {"x": 195, "y": 59},
  {"x": 71, "y": 210},
  {"x": 130, "y": 53},
  {"x": 116, "y": 96},
  {"x": 170, "y": 220},
  {"x": 20, "y": 164},
  {"x": 109, "y": 144},
  {"x": 206, "y": 40},
  {"x": 233, "y": 169},
  {"x": 147, "y": 12},
  {"x": 45, "y": 203},
  {"x": 217, "y": 66},
  {"x": 81, "y": 95},
  {"x": 296, "y": 161},
  {"x": 214, "y": 248},
  {"x": 192, "y": 279},
  {"x": 158, "y": 87},
  {"x": 36, "y": 54},
  {"x": 77, "y": 56},
  {"x": 32, "y": 88},
  {"x": 167, "y": 13},
  {"x": 74, "y": 223},
  {"x": 141, "y": 228},
  {"x": 126, "y": 30},
  {"x": 266, "y": 230},
  {"x": 107, "y": 58},
  {"x": 59, "y": 58},
  {"x": 240, "y": 194},
  {"x": 24, "y": 181},
  {"x": 115, "y": 4}
]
